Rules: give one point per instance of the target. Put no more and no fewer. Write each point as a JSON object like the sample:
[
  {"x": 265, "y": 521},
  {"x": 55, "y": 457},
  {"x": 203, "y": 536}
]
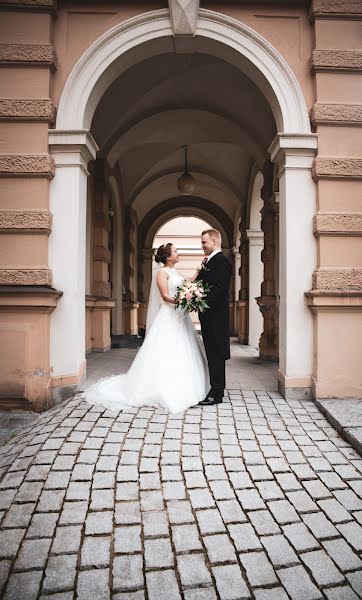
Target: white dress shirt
[{"x": 212, "y": 254}]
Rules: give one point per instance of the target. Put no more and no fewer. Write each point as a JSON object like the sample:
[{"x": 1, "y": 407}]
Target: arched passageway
[{"x": 127, "y": 109}]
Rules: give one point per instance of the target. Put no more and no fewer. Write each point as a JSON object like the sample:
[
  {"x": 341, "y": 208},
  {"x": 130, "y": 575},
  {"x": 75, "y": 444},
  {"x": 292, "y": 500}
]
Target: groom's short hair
[{"x": 213, "y": 233}]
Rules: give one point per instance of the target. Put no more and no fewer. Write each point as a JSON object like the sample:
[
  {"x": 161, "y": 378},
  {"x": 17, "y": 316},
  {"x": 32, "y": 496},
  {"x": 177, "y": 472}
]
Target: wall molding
[
  {"x": 102, "y": 289},
  {"x": 102, "y": 254},
  {"x": 34, "y": 221},
  {"x": 33, "y": 165},
  {"x": 337, "y": 279},
  {"x": 337, "y": 168},
  {"x": 27, "y": 110},
  {"x": 337, "y": 223},
  {"x": 327, "y": 9},
  {"x": 24, "y": 276},
  {"x": 28, "y": 54},
  {"x": 30, "y": 5},
  {"x": 338, "y": 114},
  {"x": 337, "y": 60}
]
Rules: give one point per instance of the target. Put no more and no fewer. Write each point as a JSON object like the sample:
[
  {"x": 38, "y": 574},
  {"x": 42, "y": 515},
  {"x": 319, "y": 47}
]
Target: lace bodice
[{"x": 174, "y": 280}]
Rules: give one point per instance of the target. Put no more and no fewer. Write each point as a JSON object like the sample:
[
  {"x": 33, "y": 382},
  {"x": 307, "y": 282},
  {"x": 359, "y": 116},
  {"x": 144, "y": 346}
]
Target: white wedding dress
[{"x": 170, "y": 369}]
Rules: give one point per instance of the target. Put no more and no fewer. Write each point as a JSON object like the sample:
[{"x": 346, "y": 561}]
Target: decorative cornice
[
  {"x": 327, "y": 9},
  {"x": 337, "y": 168},
  {"x": 337, "y": 223},
  {"x": 337, "y": 279},
  {"x": 27, "y": 110},
  {"x": 35, "y": 165},
  {"x": 29, "y": 5},
  {"x": 21, "y": 276},
  {"x": 102, "y": 289},
  {"x": 36, "y": 221},
  {"x": 28, "y": 54},
  {"x": 337, "y": 60},
  {"x": 101, "y": 253},
  {"x": 338, "y": 114}
]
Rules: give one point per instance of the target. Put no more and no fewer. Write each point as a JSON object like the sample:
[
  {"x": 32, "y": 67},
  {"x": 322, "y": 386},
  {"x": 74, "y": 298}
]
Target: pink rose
[{"x": 188, "y": 296}]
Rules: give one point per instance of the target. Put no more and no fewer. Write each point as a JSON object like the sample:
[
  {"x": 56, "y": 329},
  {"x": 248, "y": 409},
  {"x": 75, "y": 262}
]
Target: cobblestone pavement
[{"x": 255, "y": 498}]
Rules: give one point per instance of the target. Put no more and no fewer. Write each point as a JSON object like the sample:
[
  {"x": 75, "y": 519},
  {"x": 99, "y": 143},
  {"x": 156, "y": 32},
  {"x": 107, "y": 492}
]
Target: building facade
[{"x": 97, "y": 101}]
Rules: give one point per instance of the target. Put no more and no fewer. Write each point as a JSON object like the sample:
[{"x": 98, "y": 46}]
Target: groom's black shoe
[{"x": 210, "y": 401}]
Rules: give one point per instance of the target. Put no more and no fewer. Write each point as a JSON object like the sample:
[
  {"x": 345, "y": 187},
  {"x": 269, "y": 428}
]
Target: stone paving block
[
  {"x": 23, "y": 585},
  {"x": 99, "y": 522},
  {"x": 179, "y": 511},
  {"x": 4, "y": 572},
  {"x": 298, "y": 584},
  {"x": 186, "y": 538},
  {"x": 127, "y": 491},
  {"x": 127, "y": 473},
  {"x": 67, "y": 539},
  {"x": 38, "y": 473},
  {"x": 320, "y": 526},
  {"x": 219, "y": 549},
  {"x": 195, "y": 479},
  {"x": 10, "y": 541},
  {"x": 78, "y": 490},
  {"x": 231, "y": 511},
  {"x": 102, "y": 499},
  {"x": 230, "y": 583},
  {"x": 322, "y": 568},
  {"x": 342, "y": 554},
  {"x": 128, "y": 572},
  {"x": 93, "y": 584},
  {"x": 170, "y": 473},
  {"x": 283, "y": 511},
  {"x": 258, "y": 569},
  {"x": 103, "y": 481},
  {"x": 335, "y": 511},
  {"x": 18, "y": 515},
  {"x": 193, "y": 570},
  {"x": 155, "y": 523},
  {"x": 216, "y": 472},
  {"x": 279, "y": 550},
  {"x": 200, "y": 594},
  {"x": 341, "y": 593},
  {"x": 270, "y": 490},
  {"x": 201, "y": 498},
  {"x": 127, "y": 513},
  {"x": 304, "y": 472},
  {"x": 352, "y": 532},
  {"x": 278, "y": 465},
  {"x": 152, "y": 500},
  {"x": 317, "y": 490},
  {"x": 33, "y": 554},
  {"x": 263, "y": 522},
  {"x": 301, "y": 501},
  {"x": 162, "y": 585},
  {"x": 174, "y": 490},
  {"x": 250, "y": 499},
  {"x": 244, "y": 537},
  {"x": 210, "y": 521},
  {"x": 300, "y": 537},
  {"x": 355, "y": 579},
  {"x": 222, "y": 490},
  {"x": 127, "y": 539},
  {"x": 60, "y": 573},
  {"x": 73, "y": 513},
  {"x": 95, "y": 551},
  {"x": 348, "y": 499},
  {"x": 158, "y": 553},
  {"x": 82, "y": 472},
  {"x": 332, "y": 481},
  {"x": 270, "y": 594},
  {"x": 108, "y": 463},
  {"x": 28, "y": 492}
]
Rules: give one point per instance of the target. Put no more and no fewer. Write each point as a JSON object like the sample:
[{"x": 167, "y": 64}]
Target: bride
[{"x": 170, "y": 369}]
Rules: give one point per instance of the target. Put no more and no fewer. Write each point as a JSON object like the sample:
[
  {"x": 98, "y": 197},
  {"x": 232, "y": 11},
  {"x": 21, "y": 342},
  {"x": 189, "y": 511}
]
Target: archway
[{"x": 292, "y": 149}]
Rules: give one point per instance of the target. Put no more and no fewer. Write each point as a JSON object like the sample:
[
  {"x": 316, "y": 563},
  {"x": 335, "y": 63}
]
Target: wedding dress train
[{"x": 170, "y": 369}]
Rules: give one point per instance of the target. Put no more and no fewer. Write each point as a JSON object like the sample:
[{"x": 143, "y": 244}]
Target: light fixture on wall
[{"x": 186, "y": 183}]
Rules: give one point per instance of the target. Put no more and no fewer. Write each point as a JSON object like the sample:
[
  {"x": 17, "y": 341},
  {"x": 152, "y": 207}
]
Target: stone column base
[
  {"x": 98, "y": 323},
  {"x": 241, "y": 325},
  {"x": 294, "y": 388},
  {"x": 130, "y": 317}
]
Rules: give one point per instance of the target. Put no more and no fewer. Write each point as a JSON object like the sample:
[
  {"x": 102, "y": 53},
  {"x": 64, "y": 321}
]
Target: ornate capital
[
  {"x": 29, "y": 5},
  {"x": 183, "y": 15},
  {"x": 337, "y": 168},
  {"x": 36, "y": 165},
  {"x": 36, "y": 221},
  {"x": 27, "y": 110},
  {"x": 337, "y": 223},
  {"x": 24, "y": 276},
  {"x": 337, "y": 279},
  {"x": 28, "y": 54},
  {"x": 347, "y": 9},
  {"x": 337, "y": 60}
]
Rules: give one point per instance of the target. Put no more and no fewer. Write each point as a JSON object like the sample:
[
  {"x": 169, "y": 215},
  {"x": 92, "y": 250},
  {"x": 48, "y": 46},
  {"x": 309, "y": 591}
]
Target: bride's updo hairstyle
[{"x": 163, "y": 253}]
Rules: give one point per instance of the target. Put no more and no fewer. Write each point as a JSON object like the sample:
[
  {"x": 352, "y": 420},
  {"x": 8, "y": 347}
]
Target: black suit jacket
[{"x": 215, "y": 321}]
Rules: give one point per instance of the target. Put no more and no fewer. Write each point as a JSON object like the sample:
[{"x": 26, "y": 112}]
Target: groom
[{"x": 214, "y": 321}]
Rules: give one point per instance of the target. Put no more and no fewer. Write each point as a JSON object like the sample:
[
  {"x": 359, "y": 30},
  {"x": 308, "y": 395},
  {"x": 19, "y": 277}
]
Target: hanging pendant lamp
[{"x": 186, "y": 183}]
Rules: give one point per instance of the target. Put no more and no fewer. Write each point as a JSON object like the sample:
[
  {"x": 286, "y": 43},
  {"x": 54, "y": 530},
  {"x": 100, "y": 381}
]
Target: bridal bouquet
[{"x": 190, "y": 297}]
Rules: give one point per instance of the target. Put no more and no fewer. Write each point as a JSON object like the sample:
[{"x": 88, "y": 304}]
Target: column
[
  {"x": 71, "y": 150},
  {"x": 297, "y": 260},
  {"x": 242, "y": 305},
  {"x": 256, "y": 269}
]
